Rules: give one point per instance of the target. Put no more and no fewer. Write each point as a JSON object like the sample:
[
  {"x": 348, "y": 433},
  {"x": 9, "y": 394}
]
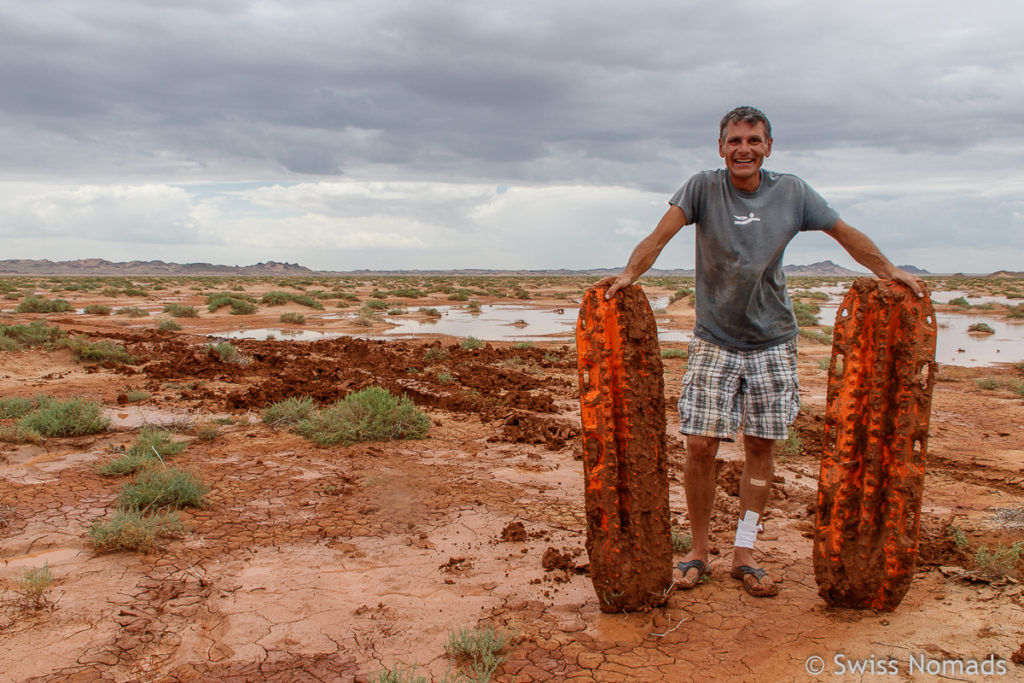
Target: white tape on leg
[
  {"x": 757, "y": 482},
  {"x": 746, "y": 530}
]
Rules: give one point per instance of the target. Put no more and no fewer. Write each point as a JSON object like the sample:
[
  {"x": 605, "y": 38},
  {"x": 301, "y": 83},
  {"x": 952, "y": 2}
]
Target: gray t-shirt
[{"x": 742, "y": 302}]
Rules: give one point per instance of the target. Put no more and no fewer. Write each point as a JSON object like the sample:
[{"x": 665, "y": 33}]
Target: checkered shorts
[{"x": 723, "y": 388}]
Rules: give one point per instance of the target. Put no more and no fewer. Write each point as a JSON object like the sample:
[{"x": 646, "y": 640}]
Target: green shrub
[
  {"x": 471, "y": 343},
  {"x": 480, "y": 650},
  {"x": 102, "y": 351},
  {"x": 435, "y": 353},
  {"x": 168, "y": 325},
  {"x": 815, "y": 336},
  {"x": 999, "y": 562},
  {"x": 240, "y": 304},
  {"x": 522, "y": 294},
  {"x": 987, "y": 383},
  {"x": 227, "y": 353},
  {"x": 806, "y": 313},
  {"x": 132, "y": 530},
  {"x": 132, "y": 312},
  {"x": 40, "y": 304},
  {"x": 281, "y": 298},
  {"x": 36, "y": 333},
  {"x": 71, "y": 417},
  {"x": 292, "y": 318},
  {"x": 397, "y": 311},
  {"x": 681, "y": 293},
  {"x": 681, "y": 542},
  {"x": 959, "y": 302},
  {"x": 375, "y": 305},
  {"x": 396, "y": 675},
  {"x": 980, "y": 328},
  {"x": 181, "y": 311},
  {"x": 16, "y": 406},
  {"x": 32, "y": 586},
  {"x": 159, "y": 487},
  {"x": 17, "y": 433},
  {"x": 97, "y": 309},
  {"x": 290, "y": 411},
  {"x": 429, "y": 311},
  {"x": 674, "y": 353},
  {"x": 371, "y": 414},
  {"x": 473, "y": 306},
  {"x": 151, "y": 446},
  {"x": 458, "y": 296}
]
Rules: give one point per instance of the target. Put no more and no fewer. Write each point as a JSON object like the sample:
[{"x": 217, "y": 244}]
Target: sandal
[
  {"x": 757, "y": 590},
  {"x": 703, "y": 572}
]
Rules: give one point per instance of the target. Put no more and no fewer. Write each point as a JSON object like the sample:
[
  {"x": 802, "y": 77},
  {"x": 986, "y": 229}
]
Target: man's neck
[{"x": 746, "y": 184}]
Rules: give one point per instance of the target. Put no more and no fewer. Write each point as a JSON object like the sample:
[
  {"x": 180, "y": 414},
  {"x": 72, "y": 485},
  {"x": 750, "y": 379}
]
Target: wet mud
[
  {"x": 622, "y": 406},
  {"x": 878, "y": 406}
]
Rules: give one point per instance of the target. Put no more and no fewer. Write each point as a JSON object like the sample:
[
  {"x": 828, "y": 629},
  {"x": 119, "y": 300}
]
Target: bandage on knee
[
  {"x": 757, "y": 482},
  {"x": 746, "y": 529}
]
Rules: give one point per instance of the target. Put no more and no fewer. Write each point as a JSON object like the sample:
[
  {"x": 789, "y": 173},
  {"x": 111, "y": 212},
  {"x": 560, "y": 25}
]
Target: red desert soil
[{"x": 316, "y": 564}]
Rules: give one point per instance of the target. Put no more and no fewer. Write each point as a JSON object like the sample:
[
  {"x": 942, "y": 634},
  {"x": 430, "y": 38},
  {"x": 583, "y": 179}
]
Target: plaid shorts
[{"x": 723, "y": 388}]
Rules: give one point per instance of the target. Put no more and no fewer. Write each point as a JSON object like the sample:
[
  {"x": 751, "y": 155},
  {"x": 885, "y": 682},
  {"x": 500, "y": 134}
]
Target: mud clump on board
[{"x": 622, "y": 410}]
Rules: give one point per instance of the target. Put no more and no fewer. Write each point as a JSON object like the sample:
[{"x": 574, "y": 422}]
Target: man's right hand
[{"x": 614, "y": 283}]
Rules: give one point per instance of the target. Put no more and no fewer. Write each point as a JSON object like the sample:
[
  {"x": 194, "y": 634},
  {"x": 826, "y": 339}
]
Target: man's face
[{"x": 744, "y": 148}]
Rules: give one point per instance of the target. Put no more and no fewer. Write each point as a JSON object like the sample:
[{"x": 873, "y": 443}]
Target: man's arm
[
  {"x": 646, "y": 253},
  {"x": 866, "y": 253}
]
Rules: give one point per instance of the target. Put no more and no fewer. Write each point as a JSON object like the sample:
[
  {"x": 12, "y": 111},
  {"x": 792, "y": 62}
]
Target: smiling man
[{"x": 741, "y": 372}]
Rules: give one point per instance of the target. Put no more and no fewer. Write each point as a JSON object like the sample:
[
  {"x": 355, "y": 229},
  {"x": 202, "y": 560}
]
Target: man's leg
[
  {"x": 755, "y": 486},
  {"x": 699, "y": 484}
]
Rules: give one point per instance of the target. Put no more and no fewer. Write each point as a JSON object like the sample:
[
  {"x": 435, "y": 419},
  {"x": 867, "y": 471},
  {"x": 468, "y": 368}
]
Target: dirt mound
[{"x": 514, "y": 532}]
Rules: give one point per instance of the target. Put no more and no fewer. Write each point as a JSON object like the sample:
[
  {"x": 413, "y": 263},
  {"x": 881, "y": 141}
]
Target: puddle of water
[
  {"x": 954, "y": 345},
  {"x": 495, "y": 322},
  {"x": 50, "y": 556},
  {"x": 946, "y": 297},
  {"x": 265, "y": 333}
]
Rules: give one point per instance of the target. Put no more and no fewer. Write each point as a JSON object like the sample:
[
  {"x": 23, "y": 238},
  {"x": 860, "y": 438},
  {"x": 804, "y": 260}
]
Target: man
[{"x": 742, "y": 360}]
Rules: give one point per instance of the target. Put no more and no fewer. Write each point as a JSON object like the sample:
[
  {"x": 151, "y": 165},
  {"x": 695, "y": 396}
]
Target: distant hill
[
  {"x": 100, "y": 267},
  {"x": 1014, "y": 274}
]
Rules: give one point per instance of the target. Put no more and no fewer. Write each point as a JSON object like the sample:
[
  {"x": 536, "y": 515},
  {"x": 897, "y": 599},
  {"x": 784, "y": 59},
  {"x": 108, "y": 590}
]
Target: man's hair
[{"x": 745, "y": 115}]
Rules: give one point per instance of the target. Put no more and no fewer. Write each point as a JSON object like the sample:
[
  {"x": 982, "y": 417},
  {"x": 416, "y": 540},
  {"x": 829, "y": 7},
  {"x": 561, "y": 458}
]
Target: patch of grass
[
  {"x": 479, "y": 650},
  {"x": 471, "y": 343},
  {"x": 40, "y": 304},
  {"x": 372, "y": 414},
  {"x": 458, "y": 296},
  {"x": 960, "y": 302},
  {"x": 101, "y": 351},
  {"x": 435, "y": 353},
  {"x": 681, "y": 543},
  {"x": 206, "y": 431},
  {"x": 149, "y": 447},
  {"x": 181, "y": 311},
  {"x": 15, "y": 406},
  {"x": 36, "y": 333},
  {"x": 521, "y": 294},
  {"x": 473, "y": 306},
  {"x": 136, "y": 395},
  {"x": 375, "y": 305},
  {"x": 20, "y": 434},
  {"x": 132, "y": 312},
  {"x": 71, "y": 417},
  {"x": 680, "y": 293},
  {"x": 397, "y": 311},
  {"x": 815, "y": 336},
  {"x": 525, "y": 345},
  {"x": 792, "y": 445},
  {"x": 132, "y": 530},
  {"x": 226, "y": 352},
  {"x": 168, "y": 325},
  {"x": 161, "y": 487},
  {"x": 429, "y": 311},
  {"x": 959, "y": 537},
  {"x": 980, "y": 328},
  {"x": 281, "y": 298},
  {"x": 290, "y": 411},
  {"x": 292, "y": 318},
  {"x": 806, "y": 313},
  {"x": 32, "y": 586},
  {"x": 396, "y": 675},
  {"x": 987, "y": 383},
  {"x": 1000, "y": 561},
  {"x": 97, "y": 309},
  {"x": 240, "y": 304},
  {"x": 444, "y": 377},
  {"x": 674, "y": 353}
]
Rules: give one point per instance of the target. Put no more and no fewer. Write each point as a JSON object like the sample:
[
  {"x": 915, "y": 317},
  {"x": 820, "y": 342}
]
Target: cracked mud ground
[{"x": 329, "y": 564}]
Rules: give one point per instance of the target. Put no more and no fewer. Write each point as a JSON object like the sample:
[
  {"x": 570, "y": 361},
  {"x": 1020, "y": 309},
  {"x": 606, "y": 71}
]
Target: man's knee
[{"x": 701, "y": 449}]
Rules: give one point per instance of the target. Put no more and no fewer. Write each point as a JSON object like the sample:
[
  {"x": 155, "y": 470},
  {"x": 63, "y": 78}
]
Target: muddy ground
[{"x": 331, "y": 564}]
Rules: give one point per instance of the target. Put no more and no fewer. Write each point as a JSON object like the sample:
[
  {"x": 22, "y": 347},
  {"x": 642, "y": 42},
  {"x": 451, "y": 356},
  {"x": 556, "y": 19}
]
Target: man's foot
[
  {"x": 690, "y": 573},
  {"x": 755, "y": 580}
]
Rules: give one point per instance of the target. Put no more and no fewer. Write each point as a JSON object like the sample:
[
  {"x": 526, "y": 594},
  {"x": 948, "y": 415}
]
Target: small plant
[
  {"x": 160, "y": 487},
  {"x": 792, "y": 445},
  {"x": 375, "y": 305},
  {"x": 132, "y": 530},
  {"x": 206, "y": 431},
  {"x": 525, "y": 345},
  {"x": 240, "y": 304},
  {"x": 397, "y": 311},
  {"x": 32, "y": 586},
  {"x": 806, "y": 313},
  {"x": 40, "y": 304},
  {"x": 97, "y": 309},
  {"x": 36, "y": 333},
  {"x": 435, "y": 353},
  {"x": 102, "y": 351},
  {"x": 226, "y": 352},
  {"x": 458, "y": 296},
  {"x": 290, "y": 411},
  {"x": 181, "y": 311},
  {"x": 281, "y": 298},
  {"x": 481, "y": 650},
  {"x": 999, "y": 562},
  {"x": 168, "y": 325},
  {"x": 681, "y": 543},
  {"x": 372, "y": 414},
  {"x": 396, "y": 675},
  {"x": 471, "y": 343},
  {"x": 15, "y": 406},
  {"x": 150, "y": 446},
  {"x": 681, "y": 293},
  {"x": 444, "y": 377},
  {"x": 132, "y": 312},
  {"x": 980, "y": 328},
  {"x": 987, "y": 383},
  {"x": 292, "y": 318},
  {"x": 521, "y": 294},
  {"x": 429, "y": 311},
  {"x": 473, "y": 306},
  {"x": 959, "y": 537},
  {"x": 135, "y": 395},
  {"x": 674, "y": 353},
  {"x": 960, "y": 302},
  {"x": 815, "y": 336},
  {"x": 71, "y": 417}
]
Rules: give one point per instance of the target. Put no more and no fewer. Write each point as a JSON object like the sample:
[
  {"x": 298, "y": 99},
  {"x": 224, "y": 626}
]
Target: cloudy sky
[{"x": 421, "y": 134}]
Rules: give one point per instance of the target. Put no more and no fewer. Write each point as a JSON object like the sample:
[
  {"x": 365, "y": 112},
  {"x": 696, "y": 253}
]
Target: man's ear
[{"x": 768, "y": 148}]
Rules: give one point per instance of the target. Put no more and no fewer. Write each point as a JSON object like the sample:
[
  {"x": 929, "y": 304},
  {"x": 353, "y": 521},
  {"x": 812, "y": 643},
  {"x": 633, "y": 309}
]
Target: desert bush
[
  {"x": 429, "y": 311},
  {"x": 150, "y": 446},
  {"x": 396, "y": 675},
  {"x": 435, "y": 353},
  {"x": 71, "y": 417},
  {"x": 406, "y": 293},
  {"x": 132, "y": 530},
  {"x": 181, "y": 311},
  {"x": 161, "y": 487},
  {"x": 15, "y": 406},
  {"x": 364, "y": 318},
  {"x": 806, "y": 313},
  {"x": 40, "y": 304},
  {"x": 292, "y": 318},
  {"x": 135, "y": 395},
  {"x": 458, "y": 296},
  {"x": 132, "y": 312},
  {"x": 97, "y": 309},
  {"x": 206, "y": 431},
  {"x": 815, "y": 336},
  {"x": 281, "y": 298},
  {"x": 987, "y": 383},
  {"x": 444, "y": 377},
  {"x": 110, "y": 291},
  {"x": 521, "y": 294},
  {"x": 674, "y": 353},
  {"x": 980, "y": 328},
  {"x": 135, "y": 291},
  {"x": 290, "y": 411},
  {"x": 473, "y": 306},
  {"x": 959, "y": 302},
  {"x": 102, "y": 351},
  {"x": 680, "y": 293},
  {"x": 168, "y": 325},
  {"x": 36, "y": 333},
  {"x": 1000, "y": 561},
  {"x": 397, "y": 311},
  {"x": 227, "y": 353},
  {"x": 375, "y": 305},
  {"x": 240, "y": 304},
  {"x": 471, "y": 343},
  {"x": 17, "y": 433},
  {"x": 372, "y": 414},
  {"x": 681, "y": 542},
  {"x": 480, "y": 650},
  {"x": 32, "y": 586}
]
